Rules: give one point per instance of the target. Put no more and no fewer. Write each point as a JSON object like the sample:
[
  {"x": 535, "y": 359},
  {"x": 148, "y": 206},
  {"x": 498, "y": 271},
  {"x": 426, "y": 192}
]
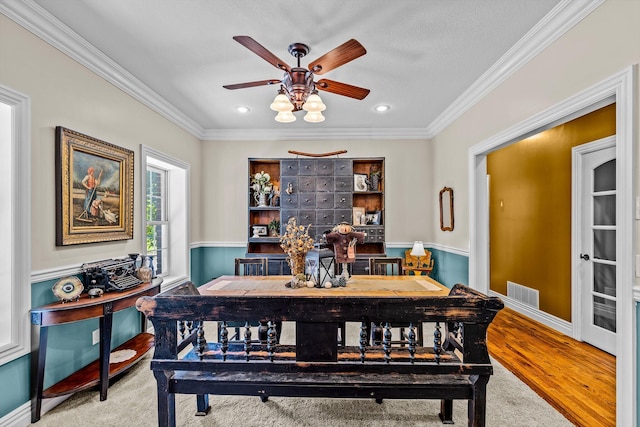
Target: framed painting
[{"x": 94, "y": 190}]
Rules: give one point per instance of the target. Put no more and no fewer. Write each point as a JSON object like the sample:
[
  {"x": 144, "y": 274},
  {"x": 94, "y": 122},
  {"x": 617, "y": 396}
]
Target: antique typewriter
[{"x": 110, "y": 274}]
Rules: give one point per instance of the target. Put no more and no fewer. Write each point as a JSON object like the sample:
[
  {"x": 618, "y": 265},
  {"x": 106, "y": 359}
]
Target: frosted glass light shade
[
  {"x": 314, "y": 117},
  {"x": 314, "y": 104},
  {"x": 418, "y": 249},
  {"x": 285, "y": 117},
  {"x": 281, "y": 103}
]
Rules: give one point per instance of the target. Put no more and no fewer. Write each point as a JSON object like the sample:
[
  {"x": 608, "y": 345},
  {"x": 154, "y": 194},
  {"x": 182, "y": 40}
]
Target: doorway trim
[{"x": 621, "y": 89}]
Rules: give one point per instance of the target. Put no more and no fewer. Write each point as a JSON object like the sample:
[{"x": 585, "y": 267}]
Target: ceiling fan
[{"x": 298, "y": 83}]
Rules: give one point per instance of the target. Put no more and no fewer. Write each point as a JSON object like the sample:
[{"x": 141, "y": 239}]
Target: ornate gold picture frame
[{"x": 94, "y": 190}]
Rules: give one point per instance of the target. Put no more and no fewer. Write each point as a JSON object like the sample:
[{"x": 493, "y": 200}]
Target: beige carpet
[{"x": 132, "y": 402}]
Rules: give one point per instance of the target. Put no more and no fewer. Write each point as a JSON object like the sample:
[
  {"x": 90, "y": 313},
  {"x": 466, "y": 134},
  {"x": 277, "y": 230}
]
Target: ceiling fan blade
[
  {"x": 261, "y": 51},
  {"x": 344, "y": 53},
  {"x": 342, "y": 89},
  {"x": 252, "y": 84}
]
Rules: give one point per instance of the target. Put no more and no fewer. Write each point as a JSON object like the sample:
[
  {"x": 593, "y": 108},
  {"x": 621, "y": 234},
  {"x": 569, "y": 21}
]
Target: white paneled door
[{"x": 596, "y": 267}]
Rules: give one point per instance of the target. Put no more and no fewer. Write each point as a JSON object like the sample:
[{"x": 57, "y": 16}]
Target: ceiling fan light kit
[
  {"x": 281, "y": 103},
  {"x": 314, "y": 117},
  {"x": 285, "y": 117},
  {"x": 314, "y": 103},
  {"x": 298, "y": 90}
]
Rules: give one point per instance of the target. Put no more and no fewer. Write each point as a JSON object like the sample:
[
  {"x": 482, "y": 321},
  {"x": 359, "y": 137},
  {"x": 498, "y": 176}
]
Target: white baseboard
[
  {"x": 547, "y": 319},
  {"x": 21, "y": 416}
]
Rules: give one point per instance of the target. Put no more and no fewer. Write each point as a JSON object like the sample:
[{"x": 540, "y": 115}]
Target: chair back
[
  {"x": 422, "y": 262},
  {"x": 388, "y": 266},
  {"x": 251, "y": 267}
]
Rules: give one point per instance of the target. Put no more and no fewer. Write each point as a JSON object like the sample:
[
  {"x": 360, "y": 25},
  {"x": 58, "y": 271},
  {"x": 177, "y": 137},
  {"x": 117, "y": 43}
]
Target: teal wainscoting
[
  {"x": 207, "y": 263},
  {"x": 450, "y": 268},
  {"x": 14, "y": 392}
]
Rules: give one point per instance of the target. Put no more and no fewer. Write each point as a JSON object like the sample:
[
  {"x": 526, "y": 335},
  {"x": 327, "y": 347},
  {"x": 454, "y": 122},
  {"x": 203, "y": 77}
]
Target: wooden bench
[{"x": 456, "y": 366}]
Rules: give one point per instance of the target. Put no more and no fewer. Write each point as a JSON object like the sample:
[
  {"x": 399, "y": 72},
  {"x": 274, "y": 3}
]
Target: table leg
[
  {"x": 106, "y": 322},
  {"x": 316, "y": 342},
  {"x": 38, "y": 358}
]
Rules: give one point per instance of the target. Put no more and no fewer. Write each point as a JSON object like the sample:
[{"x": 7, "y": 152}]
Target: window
[
  {"x": 166, "y": 215},
  {"x": 157, "y": 230},
  {"x": 15, "y": 225}
]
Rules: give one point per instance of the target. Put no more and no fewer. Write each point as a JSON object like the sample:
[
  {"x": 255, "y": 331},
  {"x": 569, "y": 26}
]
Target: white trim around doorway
[{"x": 621, "y": 89}]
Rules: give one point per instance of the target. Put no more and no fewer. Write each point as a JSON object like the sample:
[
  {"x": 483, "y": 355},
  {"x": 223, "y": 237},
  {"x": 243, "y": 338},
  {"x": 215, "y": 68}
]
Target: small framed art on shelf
[{"x": 360, "y": 182}]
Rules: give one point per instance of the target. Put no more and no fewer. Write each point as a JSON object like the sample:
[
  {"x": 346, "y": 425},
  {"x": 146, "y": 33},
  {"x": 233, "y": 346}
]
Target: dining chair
[
  {"x": 418, "y": 264},
  {"x": 391, "y": 266},
  {"x": 251, "y": 267},
  {"x": 387, "y": 266}
]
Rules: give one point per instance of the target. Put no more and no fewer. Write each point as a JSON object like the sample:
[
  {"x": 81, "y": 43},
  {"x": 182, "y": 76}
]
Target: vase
[
  {"x": 261, "y": 199},
  {"x": 296, "y": 262},
  {"x": 151, "y": 263},
  {"x": 144, "y": 272}
]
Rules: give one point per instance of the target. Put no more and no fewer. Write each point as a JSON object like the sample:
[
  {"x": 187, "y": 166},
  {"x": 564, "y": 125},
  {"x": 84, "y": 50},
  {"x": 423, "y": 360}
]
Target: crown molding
[
  {"x": 311, "y": 134},
  {"x": 35, "y": 19},
  {"x": 557, "y": 22}
]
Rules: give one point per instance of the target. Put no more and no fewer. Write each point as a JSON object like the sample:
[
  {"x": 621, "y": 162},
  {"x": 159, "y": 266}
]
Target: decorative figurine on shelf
[
  {"x": 275, "y": 196},
  {"x": 68, "y": 289},
  {"x": 344, "y": 240},
  {"x": 374, "y": 177}
]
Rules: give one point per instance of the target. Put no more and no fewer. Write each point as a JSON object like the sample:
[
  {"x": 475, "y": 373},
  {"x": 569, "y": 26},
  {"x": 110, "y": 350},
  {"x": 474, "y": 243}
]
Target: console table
[{"x": 99, "y": 371}]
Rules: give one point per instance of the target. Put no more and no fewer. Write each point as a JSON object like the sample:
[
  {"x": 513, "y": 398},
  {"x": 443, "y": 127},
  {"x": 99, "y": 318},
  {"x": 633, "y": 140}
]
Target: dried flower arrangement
[{"x": 296, "y": 242}]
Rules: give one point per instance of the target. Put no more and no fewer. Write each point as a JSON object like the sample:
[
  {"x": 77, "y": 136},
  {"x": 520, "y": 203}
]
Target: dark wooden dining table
[{"x": 364, "y": 297}]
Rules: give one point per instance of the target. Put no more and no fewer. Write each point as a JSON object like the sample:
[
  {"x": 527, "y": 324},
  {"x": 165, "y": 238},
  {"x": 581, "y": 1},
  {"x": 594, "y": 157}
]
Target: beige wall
[
  {"x": 604, "y": 43},
  {"x": 409, "y": 199},
  {"x": 64, "y": 93}
]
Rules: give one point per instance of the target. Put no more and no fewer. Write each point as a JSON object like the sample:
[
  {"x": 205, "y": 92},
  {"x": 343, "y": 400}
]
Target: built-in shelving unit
[{"x": 320, "y": 193}]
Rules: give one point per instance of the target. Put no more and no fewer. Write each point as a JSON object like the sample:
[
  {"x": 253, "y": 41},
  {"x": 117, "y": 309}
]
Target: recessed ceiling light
[
  {"x": 242, "y": 109},
  {"x": 382, "y": 108}
]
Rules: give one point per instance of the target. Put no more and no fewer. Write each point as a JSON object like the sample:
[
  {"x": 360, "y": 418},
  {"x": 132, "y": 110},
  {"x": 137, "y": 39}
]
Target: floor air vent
[{"x": 528, "y": 296}]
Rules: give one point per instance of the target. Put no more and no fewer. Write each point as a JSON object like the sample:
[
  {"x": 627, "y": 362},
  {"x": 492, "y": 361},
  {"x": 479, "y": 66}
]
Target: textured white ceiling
[{"x": 421, "y": 54}]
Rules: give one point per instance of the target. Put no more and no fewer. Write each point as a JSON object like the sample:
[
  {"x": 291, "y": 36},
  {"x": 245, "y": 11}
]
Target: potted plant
[{"x": 274, "y": 227}]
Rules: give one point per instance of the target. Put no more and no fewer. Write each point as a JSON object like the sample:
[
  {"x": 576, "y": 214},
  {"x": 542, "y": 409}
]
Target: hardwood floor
[{"x": 576, "y": 378}]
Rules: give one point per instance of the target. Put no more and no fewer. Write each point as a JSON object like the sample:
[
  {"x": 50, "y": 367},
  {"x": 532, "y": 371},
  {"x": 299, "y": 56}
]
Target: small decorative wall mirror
[{"x": 446, "y": 209}]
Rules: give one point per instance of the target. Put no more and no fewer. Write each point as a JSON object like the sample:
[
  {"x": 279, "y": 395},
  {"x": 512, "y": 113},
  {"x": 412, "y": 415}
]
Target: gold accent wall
[{"x": 530, "y": 209}]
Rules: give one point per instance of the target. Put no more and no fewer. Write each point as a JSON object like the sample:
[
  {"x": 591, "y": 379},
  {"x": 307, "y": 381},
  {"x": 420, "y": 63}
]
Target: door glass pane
[
  {"x": 604, "y": 313},
  {"x": 604, "y": 279},
  {"x": 604, "y": 210},
  {"x": 604, "y": 176},
  {"x": 604, "y": 244}
]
